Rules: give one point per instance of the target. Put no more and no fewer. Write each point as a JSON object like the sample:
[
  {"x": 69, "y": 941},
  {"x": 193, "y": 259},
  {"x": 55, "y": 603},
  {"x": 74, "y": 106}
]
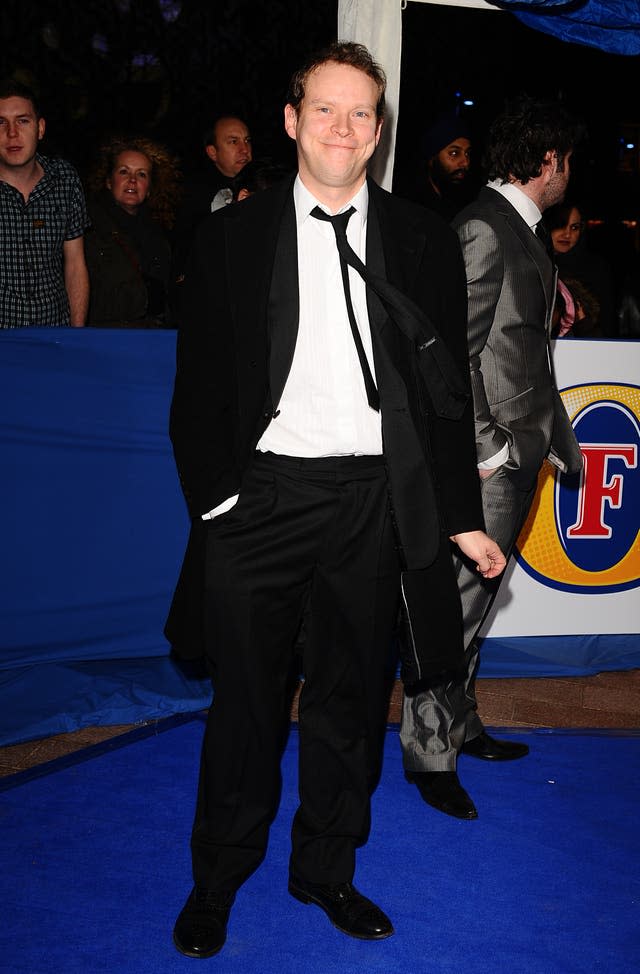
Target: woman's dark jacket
[{"x": 129, "y": 259}]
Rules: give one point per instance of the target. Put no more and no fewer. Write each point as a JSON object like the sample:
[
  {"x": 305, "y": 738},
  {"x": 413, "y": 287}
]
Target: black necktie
[
  {"x": 339, "y": 223},
  {"x": 446, "y": 386}
]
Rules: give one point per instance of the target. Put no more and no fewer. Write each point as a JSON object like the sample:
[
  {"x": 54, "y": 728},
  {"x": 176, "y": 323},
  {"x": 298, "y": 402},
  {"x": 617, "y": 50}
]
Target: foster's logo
[{"x": 583, "y": 532}]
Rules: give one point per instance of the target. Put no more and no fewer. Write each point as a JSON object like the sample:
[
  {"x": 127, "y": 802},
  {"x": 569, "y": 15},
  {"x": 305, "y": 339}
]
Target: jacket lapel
[
  {"x": 375, "y": 261},
  {"x": 263, "y": 282},
  {"x": 284, "y": 303},
  {"x": 532, "y": 245},
  {"x": 403, "y": 243}
]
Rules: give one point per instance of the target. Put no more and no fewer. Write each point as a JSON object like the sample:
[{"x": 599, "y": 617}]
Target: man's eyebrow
[{"x": 332, "y": 101}]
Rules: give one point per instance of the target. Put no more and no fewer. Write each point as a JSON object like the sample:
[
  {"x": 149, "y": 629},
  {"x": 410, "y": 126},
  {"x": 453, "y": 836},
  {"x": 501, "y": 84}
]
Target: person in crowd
[
  {"x": 288, "y": 367},
  {"x": 444, "y": 184},
  {"x": 227, "y": 148},
  {"x": 257, "y": 175},
  {"x": 520, "y": 418},
  {"x": 576, "y": 311},
  {"x": 629, "y": 308},
  {"x": 135, "y": 183},
  {"x": 43, "y": 275},
  {"x": 576, "y": 262}
]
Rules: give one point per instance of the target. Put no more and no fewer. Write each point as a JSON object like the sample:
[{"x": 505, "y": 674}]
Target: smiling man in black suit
[{"x": 323, "y": 434}]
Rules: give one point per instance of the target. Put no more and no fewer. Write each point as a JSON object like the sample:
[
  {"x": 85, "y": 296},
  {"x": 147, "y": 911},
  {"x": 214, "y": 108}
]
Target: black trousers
[{"x": 310, "y": 537}]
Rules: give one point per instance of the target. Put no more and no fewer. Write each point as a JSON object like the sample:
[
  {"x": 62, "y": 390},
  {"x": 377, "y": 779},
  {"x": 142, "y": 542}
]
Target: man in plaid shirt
[{"x": 43, "y": 275}]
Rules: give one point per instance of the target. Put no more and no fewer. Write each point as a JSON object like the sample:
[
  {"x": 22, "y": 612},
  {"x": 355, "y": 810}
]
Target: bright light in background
[
  {"x": 467, "y": 102},
  {"x": 144, "y": 60}
]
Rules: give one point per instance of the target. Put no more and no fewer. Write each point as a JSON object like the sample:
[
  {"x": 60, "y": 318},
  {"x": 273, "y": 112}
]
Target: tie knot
[{"x": 338, "y": 221}]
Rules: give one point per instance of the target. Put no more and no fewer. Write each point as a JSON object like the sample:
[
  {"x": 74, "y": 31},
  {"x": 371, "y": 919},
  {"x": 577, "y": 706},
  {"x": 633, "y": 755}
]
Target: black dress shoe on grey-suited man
[
  {"x": 348, "y": 910},
  {"x": 201, "y": 927},
  {"x": 489, "y": 748},
  {"x": 442, "y": 790}
]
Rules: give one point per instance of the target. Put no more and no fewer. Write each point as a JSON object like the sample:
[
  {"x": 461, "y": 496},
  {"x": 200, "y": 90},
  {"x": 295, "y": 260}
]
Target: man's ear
[
  {"x": 550, "y": 162},
  {"x": 212, "y": 152},
  {"x": 290, "y": 121},
  {"x": 41, "y": 127}
]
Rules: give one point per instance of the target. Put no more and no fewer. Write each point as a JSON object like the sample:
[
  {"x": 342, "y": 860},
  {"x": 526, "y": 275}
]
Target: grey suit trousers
[{"x": 441, "y": 716}]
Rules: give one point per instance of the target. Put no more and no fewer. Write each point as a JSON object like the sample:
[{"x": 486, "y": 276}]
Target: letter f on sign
[{"x": 596, "y": 490}]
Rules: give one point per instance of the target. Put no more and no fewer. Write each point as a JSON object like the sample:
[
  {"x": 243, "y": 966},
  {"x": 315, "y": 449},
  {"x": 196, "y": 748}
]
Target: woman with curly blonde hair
[{"x": 135, "y": 186}]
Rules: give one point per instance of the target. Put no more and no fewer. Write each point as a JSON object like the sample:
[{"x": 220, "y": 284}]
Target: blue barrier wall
[{"x": 94, "y": 528}]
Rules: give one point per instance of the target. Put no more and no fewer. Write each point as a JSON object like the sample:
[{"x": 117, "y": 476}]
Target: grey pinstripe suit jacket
[{"x": 511, "y": 287}]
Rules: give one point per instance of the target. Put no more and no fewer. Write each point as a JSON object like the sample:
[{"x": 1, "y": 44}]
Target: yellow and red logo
[{"x": 583, "y": 532}]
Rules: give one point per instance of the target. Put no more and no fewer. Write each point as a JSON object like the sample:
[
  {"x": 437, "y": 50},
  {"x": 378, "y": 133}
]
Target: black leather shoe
[
  {"x": 201, "y": 928},
  {"x": 491, "y": 749},
  {"x": 442, "y": 790},
  {"x": 347, "y": 909}
]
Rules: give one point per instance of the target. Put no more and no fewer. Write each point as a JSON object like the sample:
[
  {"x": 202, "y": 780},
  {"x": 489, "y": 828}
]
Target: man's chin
[{"x": 456, "y": 185}]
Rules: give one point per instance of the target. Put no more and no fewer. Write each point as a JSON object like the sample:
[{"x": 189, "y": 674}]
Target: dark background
[
  {"x": 487, "y": 56},
  {"x": 164, "y": 68},
  {"x": 158, "y": 67}
]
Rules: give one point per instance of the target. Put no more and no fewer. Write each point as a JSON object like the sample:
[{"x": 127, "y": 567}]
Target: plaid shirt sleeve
[{"x": 77, "y": 217}]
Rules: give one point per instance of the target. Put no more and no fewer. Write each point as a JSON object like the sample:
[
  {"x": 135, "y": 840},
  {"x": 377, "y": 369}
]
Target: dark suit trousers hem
[
  {"x": 438, "y": 720},
  {"x": 312, "y": 539}
]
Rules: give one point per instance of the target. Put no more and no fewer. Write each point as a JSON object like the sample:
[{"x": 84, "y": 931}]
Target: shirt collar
[
  {"x": 519, "y": 201},
  {"x": 43, "y": 181},
  {"x": 306, "y": 201}
]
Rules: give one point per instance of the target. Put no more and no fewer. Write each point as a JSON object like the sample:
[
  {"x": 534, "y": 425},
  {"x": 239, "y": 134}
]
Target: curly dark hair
[
  {"x": 342, "y": 52},
  {"x": 520, "y": 137},
  {"x": 165, "y": 185}
]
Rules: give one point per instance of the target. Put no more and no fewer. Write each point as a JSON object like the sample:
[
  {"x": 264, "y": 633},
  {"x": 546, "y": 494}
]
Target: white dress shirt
[
  {"x": 524, "y": 205},
  {"x": 323, "y": 410}
]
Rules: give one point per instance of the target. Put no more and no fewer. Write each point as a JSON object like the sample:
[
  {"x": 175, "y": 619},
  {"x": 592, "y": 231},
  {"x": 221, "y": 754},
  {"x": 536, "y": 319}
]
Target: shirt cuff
[
  {"x": 496, "y": 460},
  {"x": 221, "y": 508}
]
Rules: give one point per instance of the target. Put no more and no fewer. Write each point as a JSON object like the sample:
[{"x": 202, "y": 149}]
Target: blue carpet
[{"x": 96, "y": 867}]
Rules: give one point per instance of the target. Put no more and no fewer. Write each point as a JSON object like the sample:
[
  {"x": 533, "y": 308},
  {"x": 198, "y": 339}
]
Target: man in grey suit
[{"x": 519, "y": 416}]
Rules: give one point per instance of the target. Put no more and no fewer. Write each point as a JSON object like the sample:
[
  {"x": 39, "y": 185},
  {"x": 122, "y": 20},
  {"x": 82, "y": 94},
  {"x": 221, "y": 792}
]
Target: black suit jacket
[{"x": 235, "y": 345}]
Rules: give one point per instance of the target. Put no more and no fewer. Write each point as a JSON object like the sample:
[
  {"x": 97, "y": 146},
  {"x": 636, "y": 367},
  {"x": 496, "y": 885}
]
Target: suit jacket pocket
[{"x": 515, "y": 407}]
